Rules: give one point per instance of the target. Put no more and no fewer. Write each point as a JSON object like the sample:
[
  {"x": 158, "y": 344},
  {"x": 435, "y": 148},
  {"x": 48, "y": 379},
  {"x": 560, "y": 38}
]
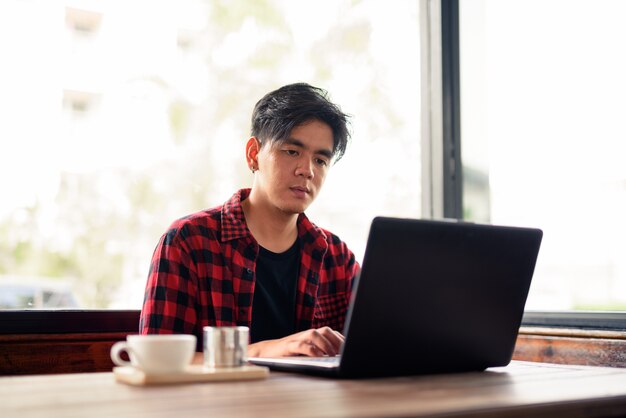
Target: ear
[{"x": 253, "y": 146}]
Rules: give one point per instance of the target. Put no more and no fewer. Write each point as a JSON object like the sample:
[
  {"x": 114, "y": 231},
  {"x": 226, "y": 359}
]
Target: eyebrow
[{"x": 325, "y": 152}]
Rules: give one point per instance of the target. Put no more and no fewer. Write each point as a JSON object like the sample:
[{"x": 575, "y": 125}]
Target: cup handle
[{"x": 116, "y": 350}]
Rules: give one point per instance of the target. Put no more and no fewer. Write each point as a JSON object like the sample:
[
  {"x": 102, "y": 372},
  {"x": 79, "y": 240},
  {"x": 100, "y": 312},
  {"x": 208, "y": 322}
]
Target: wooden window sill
[{"x": 571, "y": 346}]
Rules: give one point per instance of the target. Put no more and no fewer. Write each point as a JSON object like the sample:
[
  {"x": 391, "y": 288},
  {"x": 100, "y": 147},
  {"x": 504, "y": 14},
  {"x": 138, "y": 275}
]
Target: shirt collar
[{"x": 234, "y": 223}]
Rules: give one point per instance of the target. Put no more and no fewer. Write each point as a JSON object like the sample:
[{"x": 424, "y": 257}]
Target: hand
[{"x": 313, "y": 343}]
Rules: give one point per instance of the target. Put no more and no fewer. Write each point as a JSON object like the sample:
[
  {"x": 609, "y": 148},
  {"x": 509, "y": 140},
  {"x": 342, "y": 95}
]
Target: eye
[
  {"x": 291, "y": 152},
  {"x": 321, "y": 162}
]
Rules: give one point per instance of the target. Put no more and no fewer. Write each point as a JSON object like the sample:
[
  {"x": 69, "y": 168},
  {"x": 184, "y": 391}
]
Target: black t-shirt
[{"x": 274, "y": 303}]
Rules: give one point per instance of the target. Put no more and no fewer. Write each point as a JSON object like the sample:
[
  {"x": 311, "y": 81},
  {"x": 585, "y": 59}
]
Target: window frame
[
  {"x": 69, "y": 321},
  {"x": 601, "y": 320}
]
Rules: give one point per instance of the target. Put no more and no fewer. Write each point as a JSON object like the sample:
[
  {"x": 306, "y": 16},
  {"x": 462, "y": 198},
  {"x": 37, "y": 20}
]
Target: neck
[{"x": 272, "y": 228}]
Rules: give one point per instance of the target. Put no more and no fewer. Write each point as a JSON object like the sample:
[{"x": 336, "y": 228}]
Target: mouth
[{"x": 300, "y": 191}]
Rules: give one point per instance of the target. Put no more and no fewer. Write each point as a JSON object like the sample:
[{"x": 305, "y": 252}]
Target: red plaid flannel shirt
[{"x": 203, "y": 274}]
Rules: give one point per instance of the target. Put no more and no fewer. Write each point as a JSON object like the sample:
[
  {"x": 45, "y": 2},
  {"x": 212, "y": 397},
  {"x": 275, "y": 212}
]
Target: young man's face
[{"x": 291, "y": 173}]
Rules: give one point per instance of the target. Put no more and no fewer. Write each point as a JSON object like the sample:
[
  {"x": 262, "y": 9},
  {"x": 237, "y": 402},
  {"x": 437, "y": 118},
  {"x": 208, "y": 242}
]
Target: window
[
  {"x": 126, "y": 117},
  {"x": 543, "y": 139}
]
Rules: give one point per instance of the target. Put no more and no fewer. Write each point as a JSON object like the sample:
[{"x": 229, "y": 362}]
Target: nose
[{"x": 305, "y": 169}]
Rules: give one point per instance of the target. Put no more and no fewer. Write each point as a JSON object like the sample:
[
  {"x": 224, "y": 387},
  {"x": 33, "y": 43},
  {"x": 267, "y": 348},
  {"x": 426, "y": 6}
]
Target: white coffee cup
[{"x": 156, "y": 353}]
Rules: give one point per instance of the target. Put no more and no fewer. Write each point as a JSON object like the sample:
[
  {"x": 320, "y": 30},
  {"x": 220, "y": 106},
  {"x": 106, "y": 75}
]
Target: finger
[
  {"x": 304, "y": 347},
  {"x": 326, "y": 341},
  {"x": 341, "y": 339},
  {"x": 334, "y": 337},
  {"x": 310, "y": 343}
]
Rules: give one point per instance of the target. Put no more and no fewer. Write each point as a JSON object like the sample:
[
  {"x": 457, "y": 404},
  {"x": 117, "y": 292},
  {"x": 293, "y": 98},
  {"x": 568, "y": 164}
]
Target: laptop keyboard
[{"x": 325, "y": 359}]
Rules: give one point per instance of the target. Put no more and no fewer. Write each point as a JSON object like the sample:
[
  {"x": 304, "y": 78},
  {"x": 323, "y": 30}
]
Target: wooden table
[{"x": 519, "y": 390}]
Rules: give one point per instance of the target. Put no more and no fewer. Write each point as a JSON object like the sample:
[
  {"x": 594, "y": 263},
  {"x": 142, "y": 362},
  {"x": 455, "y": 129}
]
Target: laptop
[{"x": 431, "y": 297}]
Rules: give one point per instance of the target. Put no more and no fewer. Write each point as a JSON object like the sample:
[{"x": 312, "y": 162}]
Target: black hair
[{"x": 280, "y": 111}]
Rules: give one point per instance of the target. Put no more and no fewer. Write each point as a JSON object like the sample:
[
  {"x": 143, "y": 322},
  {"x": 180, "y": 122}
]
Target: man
[{"x": 257, "y": 260}]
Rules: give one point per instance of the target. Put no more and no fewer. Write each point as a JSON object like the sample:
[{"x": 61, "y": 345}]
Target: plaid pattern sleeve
[
  {"x": 335, "y": 285},
  {"x": 328, "y": 269},
  {"x": 170, "y": 298}
]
